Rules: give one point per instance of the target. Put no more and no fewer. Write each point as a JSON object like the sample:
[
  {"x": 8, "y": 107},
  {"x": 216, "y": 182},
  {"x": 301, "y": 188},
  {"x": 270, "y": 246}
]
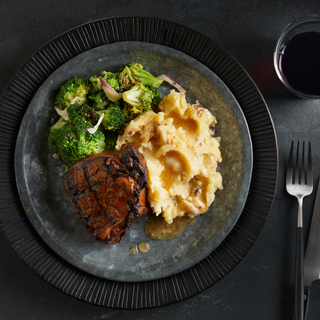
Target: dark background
[{"x": 262, "y": 285}]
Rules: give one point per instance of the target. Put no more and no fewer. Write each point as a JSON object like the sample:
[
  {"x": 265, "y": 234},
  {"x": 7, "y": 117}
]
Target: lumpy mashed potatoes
[{"x": 181, "y": 156}]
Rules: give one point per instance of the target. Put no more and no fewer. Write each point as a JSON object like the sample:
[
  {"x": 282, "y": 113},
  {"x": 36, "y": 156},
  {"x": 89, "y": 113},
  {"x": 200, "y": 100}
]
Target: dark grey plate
[{"x": 39, "y": 182}]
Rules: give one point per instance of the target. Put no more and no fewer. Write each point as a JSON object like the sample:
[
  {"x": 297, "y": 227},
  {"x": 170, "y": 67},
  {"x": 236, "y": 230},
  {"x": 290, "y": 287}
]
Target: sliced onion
[
  {"x": 174, "y": 83},
  {"x": 62, "y": 112},
  {"x": 95, "y": 128},
  {"x": 112, "y": 95}
]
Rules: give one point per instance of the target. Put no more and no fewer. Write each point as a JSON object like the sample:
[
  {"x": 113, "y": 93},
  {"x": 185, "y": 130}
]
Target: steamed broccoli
[
  {"x": 63, "y": 144},
  {"x": 155, "y": 97},
  {"x": 133, "y": 73},
  {"x": 61, "y": 122},
  {"x": 85, "y": 102},
  {"x": 71, "y": 145},
  {"x": 100, "y": 100},
  {"x": 127, "y": 111},
  {"x": 74, "y": 90},
  {"x": 141, "y": 99},
  {"x": 96, "y": 85},
  {"x": 72, "y": 141},
  {"x": 82, "y": 114},
  {"x": 114, "y": 117},
  {"x": 110, "y": 77},
  {"x": 111, "y": 139}
]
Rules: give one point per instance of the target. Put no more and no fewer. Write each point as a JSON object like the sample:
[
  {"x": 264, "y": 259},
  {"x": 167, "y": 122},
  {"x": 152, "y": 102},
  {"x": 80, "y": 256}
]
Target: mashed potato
[{"x": 181, "y": 156}]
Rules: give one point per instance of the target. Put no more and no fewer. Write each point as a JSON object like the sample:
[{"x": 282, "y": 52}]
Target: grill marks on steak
[{"x": 109, "y": 191}]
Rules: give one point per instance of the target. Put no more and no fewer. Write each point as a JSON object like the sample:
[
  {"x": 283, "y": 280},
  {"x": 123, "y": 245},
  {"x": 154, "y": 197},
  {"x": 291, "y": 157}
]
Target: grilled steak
[{"x": 109, "y": 191}]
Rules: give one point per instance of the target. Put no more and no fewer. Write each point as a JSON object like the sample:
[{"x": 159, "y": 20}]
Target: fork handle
[
  {"x": 299, "y": 285},
  {"x": 306, "y": 301}
]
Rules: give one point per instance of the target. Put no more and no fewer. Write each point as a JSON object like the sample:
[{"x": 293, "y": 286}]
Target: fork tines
[{"x": 299, "y": 174}]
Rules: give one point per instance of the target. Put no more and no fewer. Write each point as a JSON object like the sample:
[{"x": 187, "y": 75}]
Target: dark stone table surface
[{"x": 262, "y": 285}]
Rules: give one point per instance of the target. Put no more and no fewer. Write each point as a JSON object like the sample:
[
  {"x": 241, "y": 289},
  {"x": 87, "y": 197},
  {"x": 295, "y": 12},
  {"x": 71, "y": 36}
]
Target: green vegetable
[
  {"x": 140, "y": 99},
  {"x": 72, "y": 141},
  {"x": 110, "y": 77},
  {"x": 133, "y": 73},
  {"x": 99, "y": 99},
  {"x": 155, "y": 97},
  {"x": 127, "y": 111},
  {"x": 111, "y": 139},
  {"x": 74, "y": 90},
  {"x": 82, "y": 115},
  {"x": 61, "y": 122},
  {"x": 81, "y": 105},
  {"x": 96, "y": 85},
  {"x": 114, "y": 117}
]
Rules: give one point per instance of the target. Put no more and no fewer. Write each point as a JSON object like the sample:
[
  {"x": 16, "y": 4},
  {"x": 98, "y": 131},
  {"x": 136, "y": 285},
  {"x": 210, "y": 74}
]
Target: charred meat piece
[{"x": 109, "y": 191}]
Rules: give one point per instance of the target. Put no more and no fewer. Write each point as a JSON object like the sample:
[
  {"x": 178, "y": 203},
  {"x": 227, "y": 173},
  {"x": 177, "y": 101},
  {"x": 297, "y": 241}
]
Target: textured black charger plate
[{"x": 216, "y": 265}]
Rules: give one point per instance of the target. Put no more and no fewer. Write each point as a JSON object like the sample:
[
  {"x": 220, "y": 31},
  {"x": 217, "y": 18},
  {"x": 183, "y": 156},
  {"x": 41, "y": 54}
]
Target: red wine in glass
[{"x": 300, "y": 62}]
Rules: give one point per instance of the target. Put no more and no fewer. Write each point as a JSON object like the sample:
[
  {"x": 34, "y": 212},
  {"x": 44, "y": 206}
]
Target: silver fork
[{"x": 299, "y": 184}]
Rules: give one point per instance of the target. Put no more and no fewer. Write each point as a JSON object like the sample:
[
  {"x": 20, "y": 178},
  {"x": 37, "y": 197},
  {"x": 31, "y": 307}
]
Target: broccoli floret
[
  {"x": 111, "y": 139},
  {"x": 92, "y": 143},
  {"x": 110, "y": 77},
  {"x": 74, "y": 90},
  {"x": 81, "y": 114},
  {"x": 133, "y": 73},
  {"x": 72, "y": 141},
  {"x": 63, "y": 143},
  {"x": 60, "y": 123},
  {"x": 96, "y": 85},
  {"x": 100, "y": 100},
  {"x": 114, "y": 117},
  {"x": 71, "y": 145},
  {"x": 140, "y": 99},
  {"x": 155, "y": 97},
  {"x": 127, "y": 111}
]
